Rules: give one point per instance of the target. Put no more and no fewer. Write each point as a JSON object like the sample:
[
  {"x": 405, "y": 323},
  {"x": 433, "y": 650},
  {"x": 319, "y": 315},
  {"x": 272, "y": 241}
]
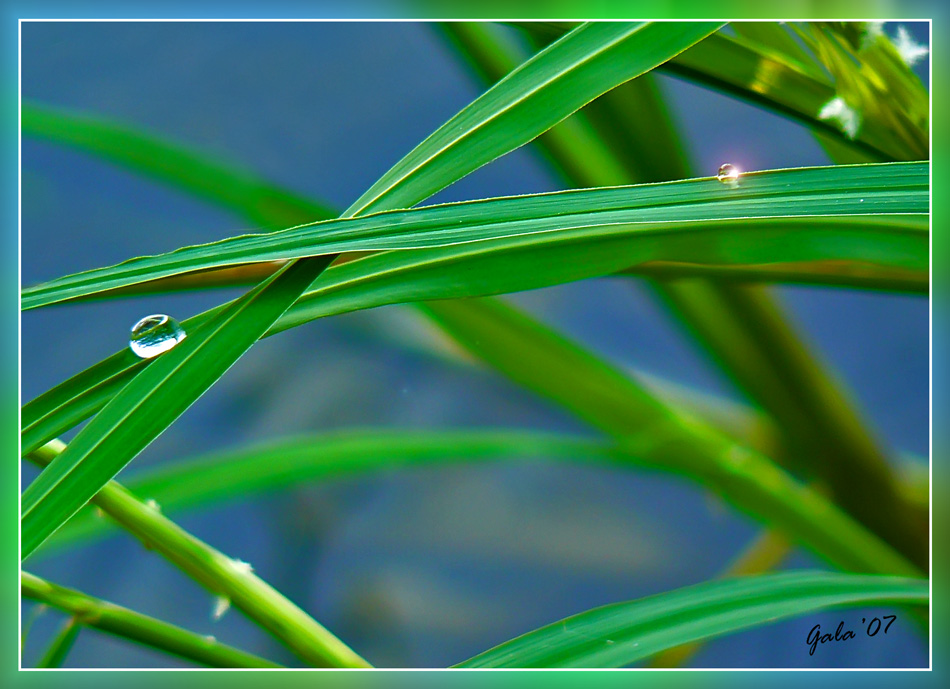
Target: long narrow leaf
[
  {"x": 147, "y": 405},
  {"x": 623, "y": 633},
  {"x": 859, "y": 218},
  {"x": 477, "y": 269},
  {"x": 579, "y": 148},
  {"x": 588, "y": 61},
  {"x": 519, "y": 263}
]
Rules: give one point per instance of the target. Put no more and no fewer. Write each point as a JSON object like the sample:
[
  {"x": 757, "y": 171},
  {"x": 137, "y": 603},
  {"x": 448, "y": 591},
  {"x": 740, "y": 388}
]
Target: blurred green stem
[
  {"x": 61, "y": 645},
  {"x": 546, "y": 362}
]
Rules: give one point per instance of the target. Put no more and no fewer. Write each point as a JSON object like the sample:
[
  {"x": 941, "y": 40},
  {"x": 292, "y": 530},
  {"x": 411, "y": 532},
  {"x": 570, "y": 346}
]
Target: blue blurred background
[{"x": 424, "y": 567}]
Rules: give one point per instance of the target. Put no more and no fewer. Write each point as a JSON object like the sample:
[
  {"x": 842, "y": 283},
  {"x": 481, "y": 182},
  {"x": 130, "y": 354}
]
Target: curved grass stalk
[{"x": 136, "y": 627}]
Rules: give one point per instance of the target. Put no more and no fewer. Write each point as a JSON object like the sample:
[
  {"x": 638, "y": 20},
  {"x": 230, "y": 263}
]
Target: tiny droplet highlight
[{"x": 154, "y": 335}]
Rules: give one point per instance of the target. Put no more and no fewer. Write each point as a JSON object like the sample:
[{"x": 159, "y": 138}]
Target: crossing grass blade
[
  {"x": 624, "y": 633},
  {"x": 588, "y": 61},
  {"x": 842, "y": 219},
  {"x": 584, "y": 148},
  {"x": 153, "y": 400}
]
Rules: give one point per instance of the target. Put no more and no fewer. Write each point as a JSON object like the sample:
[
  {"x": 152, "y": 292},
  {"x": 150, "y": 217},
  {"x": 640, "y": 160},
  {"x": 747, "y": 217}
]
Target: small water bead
[
  {"x": 728, "y": 174},
  {"x": 154, "y": 335}
]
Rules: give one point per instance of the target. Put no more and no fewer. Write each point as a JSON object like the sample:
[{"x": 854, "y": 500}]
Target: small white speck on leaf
[
  {"x": 846, "y": 117},
  {"x": 221, "y": 605},
  {"x": 911, "y": 51}
]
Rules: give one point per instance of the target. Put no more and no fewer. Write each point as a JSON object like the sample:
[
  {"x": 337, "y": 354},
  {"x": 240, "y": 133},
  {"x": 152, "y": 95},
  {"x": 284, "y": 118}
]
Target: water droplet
[
  {"x": 221, "y": 605},
  {"x": 154, "y": 335},
  {"x": 210, "y": 638},
  {"x": 152, "y": 504},
  {"x": 728, "y": 174}
]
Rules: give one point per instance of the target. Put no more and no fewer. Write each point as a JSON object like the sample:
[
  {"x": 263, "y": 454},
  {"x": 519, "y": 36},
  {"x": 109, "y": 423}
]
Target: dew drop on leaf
[
  {"x": 154, "y": 335},
  {"x": 728, "y": 174}
]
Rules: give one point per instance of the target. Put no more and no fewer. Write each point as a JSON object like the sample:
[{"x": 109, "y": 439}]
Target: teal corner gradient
[{"x": 573, "y": 9}]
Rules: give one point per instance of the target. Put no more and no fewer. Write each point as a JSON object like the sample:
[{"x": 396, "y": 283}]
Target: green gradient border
[{"x": 691, "y": 9}]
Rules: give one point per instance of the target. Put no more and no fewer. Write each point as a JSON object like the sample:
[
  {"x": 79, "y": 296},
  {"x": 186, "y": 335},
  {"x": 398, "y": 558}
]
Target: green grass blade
[
  {"x": 76, "y": 399},
  {"x": 60, "y": 646},
  {"x": 221, "y": 575},
  {"x": 584, "y": 147},
  {"x": 588, "y": 61},
  {"x": 153, "y": 400},
  {"x": 460, "y": 270},
  {"x": 767, "y": 551},
  {"x": 222, "y": 183},
  {"x": 624, "y": 633},
  {"x": 662, "y": 437},
  {"x": 776, "y": 37},
  {"x": 132, "y": 626},
  {"x": 650, "y": 436},
  {"x": 882, "y": 209},
  {"x": 235, "y": 475}
]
